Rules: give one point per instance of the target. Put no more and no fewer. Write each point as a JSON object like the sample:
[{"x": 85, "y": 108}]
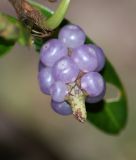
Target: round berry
[
  {"x": 85, "y": 59},
  {"x": 72, "y": 36},
  {"x": 95, "y": 99},
  {"x": 45, "y": 79},
  {"x": 58, "y": 91},
  {"x": 65, "y": 70},
  {"x": 52, "y": 51},
  {"x": 93, "y": 83},
  {"x": 100, "y": 56},
  {"x": 62, "y": 108}
]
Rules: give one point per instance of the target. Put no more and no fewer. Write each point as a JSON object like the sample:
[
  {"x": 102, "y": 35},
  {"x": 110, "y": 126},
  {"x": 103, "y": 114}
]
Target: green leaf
[
  {"x": 12, "y": 31},
  {"x": 8, "y": 29},
  {"x": 24, "y": 37},
  {"x": 5, "y": 46},
  {"x": 8, "y": 33},
  {"x": 109, "y": 116}
]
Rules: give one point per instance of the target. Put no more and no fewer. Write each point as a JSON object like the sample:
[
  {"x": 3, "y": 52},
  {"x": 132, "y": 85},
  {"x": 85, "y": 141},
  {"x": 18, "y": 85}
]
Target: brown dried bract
[
  {"x": 31, "y": 18},
  {"x": 24, "y": 9}
]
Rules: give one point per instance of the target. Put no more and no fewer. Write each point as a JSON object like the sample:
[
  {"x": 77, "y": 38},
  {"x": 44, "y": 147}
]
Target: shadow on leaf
[{"x": 95, "y": 107}]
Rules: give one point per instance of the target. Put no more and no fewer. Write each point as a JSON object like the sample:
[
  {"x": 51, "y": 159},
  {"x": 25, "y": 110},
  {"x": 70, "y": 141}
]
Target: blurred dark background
[{"x": 30, "y": 130}]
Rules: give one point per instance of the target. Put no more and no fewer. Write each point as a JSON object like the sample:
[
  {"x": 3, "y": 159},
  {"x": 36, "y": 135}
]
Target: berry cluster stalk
[{"x": 76, "y": 99}]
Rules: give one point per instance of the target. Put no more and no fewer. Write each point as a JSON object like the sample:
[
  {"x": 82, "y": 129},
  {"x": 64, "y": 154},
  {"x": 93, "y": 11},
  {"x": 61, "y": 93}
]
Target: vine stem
[
  {"x": 23, "y": 7},
  {"x": 59, "y": 14}
]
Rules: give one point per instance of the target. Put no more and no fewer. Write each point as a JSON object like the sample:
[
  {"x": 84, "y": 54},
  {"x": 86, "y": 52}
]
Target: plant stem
[
  {"x": 24, "y": 8},
  {"x": 55, "y": 20},
  {"x": 76, "y": 99}
]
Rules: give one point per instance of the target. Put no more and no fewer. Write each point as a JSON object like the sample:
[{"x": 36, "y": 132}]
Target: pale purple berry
[
  {"x": 62, "y": 108},
  {"x": 52, "y": 51},
  {"x": 45, "y": 79},
  {"x": 96, "y": 99},
  {"x": 85, "y": 59},
  {"x": 100, "y": 56},
  {"x": 58, "y": 91},
  {"x": 72, "y": 36},
  {"x": 65, "y": 70},
  {"x": 93, "y": 83}
]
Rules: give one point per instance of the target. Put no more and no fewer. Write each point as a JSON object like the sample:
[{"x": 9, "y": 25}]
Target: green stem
[{"x": 55, "y": 20}]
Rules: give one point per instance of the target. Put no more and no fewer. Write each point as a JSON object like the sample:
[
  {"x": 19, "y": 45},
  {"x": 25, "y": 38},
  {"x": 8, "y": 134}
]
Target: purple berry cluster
[{"x": 69, "y": 72}]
